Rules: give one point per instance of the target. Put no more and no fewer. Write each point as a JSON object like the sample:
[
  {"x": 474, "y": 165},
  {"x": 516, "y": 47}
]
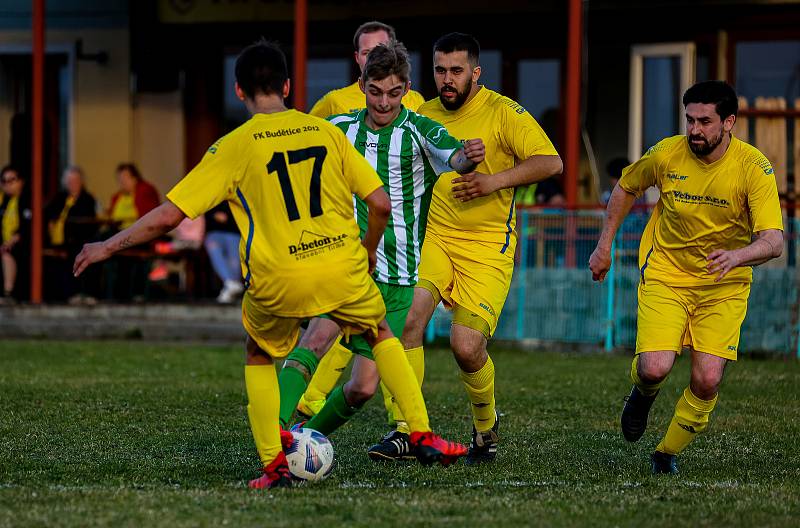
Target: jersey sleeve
[
  {"x": 322, "y": 108},
  {"x": 360, "y": 175},
  {"x": 211, "y": 181},
  {"x": 762, "y": 198},
  {"x": 438, "y": 144},
  {"x": 522, "y": 134},
  {"x": 643, "y": 174}
]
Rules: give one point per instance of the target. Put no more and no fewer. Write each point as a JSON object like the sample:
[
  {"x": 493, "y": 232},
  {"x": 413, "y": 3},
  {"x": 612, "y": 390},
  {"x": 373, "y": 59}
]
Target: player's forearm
[
  {"x": 157, "y": 222},
  {"x": 619, "y": 205},
  {"x": 380, "y": 207},
  {"x": 766, "y": 246},
  {"x": 531, "y": 170},
  {"x": 461, "y": 164}
]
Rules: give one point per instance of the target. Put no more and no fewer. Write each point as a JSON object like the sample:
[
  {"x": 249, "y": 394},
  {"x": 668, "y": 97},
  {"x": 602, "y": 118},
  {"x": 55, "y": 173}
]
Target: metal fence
[{"x": 554, "y": 300}]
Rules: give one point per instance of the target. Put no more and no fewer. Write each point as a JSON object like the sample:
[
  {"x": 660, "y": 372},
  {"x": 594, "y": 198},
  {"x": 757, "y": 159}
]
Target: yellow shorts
[
  {"x": 706, "y": 318},
  {"x": 468, "y": 273},
  {"x": 277, "y": 336}
]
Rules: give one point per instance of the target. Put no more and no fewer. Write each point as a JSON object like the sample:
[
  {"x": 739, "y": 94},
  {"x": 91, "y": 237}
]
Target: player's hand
[
  {"x": 600, "y": 263},
  {"x": 474, "y": 150},
  {"x": 473, "y": 185},
  {"x": 90, "y": 254},
  {"x": 721, "y": 261}
]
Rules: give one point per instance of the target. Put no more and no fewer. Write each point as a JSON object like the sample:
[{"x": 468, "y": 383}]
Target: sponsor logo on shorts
[
  {"x": 700, "y": 199},
  {"x": 487, "y": 308},
  {"x": 732, "y": 348},
  {"x": 313, "y": 244}
]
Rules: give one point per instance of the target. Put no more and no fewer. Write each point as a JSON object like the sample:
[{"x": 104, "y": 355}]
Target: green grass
[{"x": 132, "y": 434}]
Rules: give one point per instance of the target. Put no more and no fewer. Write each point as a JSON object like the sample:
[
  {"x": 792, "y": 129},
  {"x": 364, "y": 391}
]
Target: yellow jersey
[
  {"x": 10, "y": 219},
  {"x": 289, "y": 179},
  {"x": 702, "y": 207},
  {"x": 510, "y": 134},
  {"x": 351, "y": 99}
]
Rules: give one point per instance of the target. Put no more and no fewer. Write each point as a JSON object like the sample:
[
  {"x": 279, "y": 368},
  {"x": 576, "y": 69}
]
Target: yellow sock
[
  {"x": 416, "y": 358},
  {"x": 328, "y": 372},
  {"x": 691, "y": 417},
  {"x": 645, "y": 388},
  {"x": 480, "y": 389},
  {"x": 396, "y": 373},
  {"x": 263, "y": 408},
  {"x": 388, "y": 403}
]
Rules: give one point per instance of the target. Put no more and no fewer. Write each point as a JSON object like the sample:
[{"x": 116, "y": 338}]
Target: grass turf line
[{"x": 132, "y": 434}]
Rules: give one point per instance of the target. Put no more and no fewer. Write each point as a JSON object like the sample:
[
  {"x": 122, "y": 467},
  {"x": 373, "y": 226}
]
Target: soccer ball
[{"x": 311, "y": 455}]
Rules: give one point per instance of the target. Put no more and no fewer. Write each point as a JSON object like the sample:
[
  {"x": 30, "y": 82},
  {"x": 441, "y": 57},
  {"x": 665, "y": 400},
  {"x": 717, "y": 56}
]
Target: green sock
[
  {"x": 297, "y": 370},
  {"x": 334, "y": 414}
]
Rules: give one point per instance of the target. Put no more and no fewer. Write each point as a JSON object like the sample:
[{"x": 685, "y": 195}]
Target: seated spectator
[
  {"x": 135, "y": 197},
  {"x": 126, "y": 276},
  {"x": 71, "y": 219},
  {"x": 15, "y": 227},
  {"x": 222, "y": 245}
]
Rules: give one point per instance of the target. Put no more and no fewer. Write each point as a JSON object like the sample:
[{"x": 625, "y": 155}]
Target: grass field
[{"x": 133, "y": 434}]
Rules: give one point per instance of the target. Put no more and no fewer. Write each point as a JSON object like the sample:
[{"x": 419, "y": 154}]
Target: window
[
  {"x": 539, "y": 85},
  {"x": 768, "y": 69},
  {"x": 492, "y": 70},
  {"x": 325, "y": 75}
]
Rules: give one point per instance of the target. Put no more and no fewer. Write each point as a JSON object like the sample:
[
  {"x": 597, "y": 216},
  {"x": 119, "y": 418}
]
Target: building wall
[{"x": 101, "y": 113}]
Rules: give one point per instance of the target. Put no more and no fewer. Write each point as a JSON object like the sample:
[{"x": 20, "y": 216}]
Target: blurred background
[{"x": 134, "y": 92}]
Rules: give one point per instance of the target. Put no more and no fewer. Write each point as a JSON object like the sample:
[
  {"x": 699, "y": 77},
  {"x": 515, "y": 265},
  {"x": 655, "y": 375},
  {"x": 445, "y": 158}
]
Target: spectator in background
[
  {"x": 15, "y": 228},
  {"x": 613, "y": 171},
  {"x": 135, "y": 197},
  {"x": 71, "y": 219},
  {"x": 126, "y": 276},
  {"x": 222, "y": 245},
  {"x": 549, "y": 193}
]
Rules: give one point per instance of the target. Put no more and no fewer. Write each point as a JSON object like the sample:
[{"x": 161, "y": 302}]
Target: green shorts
[{"x": 398, "y": 301}]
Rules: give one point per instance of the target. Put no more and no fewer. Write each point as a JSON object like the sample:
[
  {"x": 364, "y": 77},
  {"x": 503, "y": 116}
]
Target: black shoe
[
  {"x": 394, "y": 446},
  {"x": 663, "y": 463},
  {"x": 634, "y": 414},
  {"x": 483, "y": 448}
]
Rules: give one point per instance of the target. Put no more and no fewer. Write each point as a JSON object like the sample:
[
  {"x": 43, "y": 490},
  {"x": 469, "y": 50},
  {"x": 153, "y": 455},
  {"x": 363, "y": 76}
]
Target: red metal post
[
  {"x": 300, "y": 53},
  {"x": 572, "y": 129},
  {"x": 572, "y": 142},
  {"x": 37, "y": 142}
]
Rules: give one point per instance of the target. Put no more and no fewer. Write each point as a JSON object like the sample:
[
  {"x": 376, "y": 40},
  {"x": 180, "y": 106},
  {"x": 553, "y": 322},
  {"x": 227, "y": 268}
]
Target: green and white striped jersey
[{"x": 408, "y": 155}]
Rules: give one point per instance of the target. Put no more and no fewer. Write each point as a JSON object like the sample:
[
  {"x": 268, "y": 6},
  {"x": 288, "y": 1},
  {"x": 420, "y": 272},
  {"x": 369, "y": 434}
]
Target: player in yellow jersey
[
  {"x": 289, "y": 179},
  {"x": 718, "y": 214},
  {"x": 350, "y": 98},
  {"x": 468, "y": 254},
  {"x": 344, "y": 101}
]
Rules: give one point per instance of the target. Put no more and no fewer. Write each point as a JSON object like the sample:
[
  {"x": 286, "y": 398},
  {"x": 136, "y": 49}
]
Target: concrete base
[{"x": 158, "y": 322}]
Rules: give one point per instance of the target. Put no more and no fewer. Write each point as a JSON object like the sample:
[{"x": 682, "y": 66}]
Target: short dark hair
[
  {"x": 459, "y": 42},
  {"x": 261, "y": 68},
  {"x": 385, "y": 60},
  {"x": 719, "y": 93},
  {"x": 9, "y": 168},
  {"x": 130, "y": 167},
  {"x": 372, "y": 27}
]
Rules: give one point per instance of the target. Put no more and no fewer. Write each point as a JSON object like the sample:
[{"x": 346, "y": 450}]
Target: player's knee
[
  {"x": 705, "y": 385},
  {"x": 357, "y": 394},
  {"x": 652, "y": 372}
]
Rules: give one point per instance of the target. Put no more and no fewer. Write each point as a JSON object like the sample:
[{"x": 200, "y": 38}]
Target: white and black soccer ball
[{"x": 310, "y": 456}]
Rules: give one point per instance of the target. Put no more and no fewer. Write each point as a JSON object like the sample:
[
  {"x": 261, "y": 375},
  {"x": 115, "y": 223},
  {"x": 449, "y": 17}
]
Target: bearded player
[
  {"x": 718, "y": 214},
  {"x": 468, "y": 255}
]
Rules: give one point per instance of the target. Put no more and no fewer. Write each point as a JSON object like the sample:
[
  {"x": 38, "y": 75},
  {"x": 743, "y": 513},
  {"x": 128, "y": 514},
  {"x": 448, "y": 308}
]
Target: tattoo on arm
[{"x": 126, "y": 243}]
